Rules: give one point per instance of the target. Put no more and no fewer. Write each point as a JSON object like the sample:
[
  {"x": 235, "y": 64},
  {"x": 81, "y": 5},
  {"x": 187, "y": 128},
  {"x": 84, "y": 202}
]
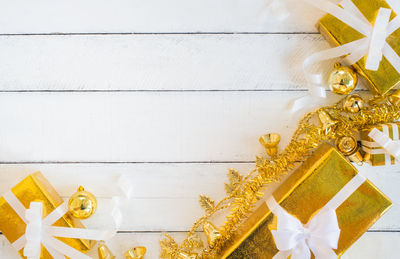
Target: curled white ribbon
[
  {"x": 319, "y": 236},
  {"x": 373, "y": 45},
  {"x": 40, "y": 231},
  {"x": 389, "y": 146},
  {"x": 126, "y": 188}
]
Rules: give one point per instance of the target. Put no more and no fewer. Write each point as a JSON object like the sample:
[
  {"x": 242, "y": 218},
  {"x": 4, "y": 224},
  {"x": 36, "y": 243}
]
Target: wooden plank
[
  {"x": 127, "y": 16},
  {"x": 156, "y": 62},
  {"x": 165, "y": 196},
  {"x": 141, "y": 126},
  {"x": 369, "y": 246}
]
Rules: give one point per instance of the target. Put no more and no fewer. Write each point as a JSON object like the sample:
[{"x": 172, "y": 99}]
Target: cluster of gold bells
[
  {"x": 338, "y": 123},
  {"x": 82, "y": 205}
]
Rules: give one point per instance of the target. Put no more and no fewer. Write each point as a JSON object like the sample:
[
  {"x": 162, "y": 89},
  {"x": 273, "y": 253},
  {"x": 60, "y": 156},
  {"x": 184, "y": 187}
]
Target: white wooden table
[{"x": 171, "y": 93}]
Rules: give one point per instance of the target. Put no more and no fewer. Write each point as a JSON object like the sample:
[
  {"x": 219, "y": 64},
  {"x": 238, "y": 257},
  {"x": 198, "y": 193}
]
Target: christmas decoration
[
  {"x": 366, "y": 32},
  {"x": 324, "y": 193},
  {"x": 104, "y": 252},
  {"x": 336, "y": 124},
  {"x": 211, "y": 232},
  {"x": 270, "y": 142},
  {"x": 33, "y": 214},
  {"x": 349, "y": 147},
  {"x": 136, "y": 253},
  {"x": 379, "y": 153},
  {"x": 353, "y": 103},
  {"x": 342, "y": 80},
  {"x": 82, "y": 204}
]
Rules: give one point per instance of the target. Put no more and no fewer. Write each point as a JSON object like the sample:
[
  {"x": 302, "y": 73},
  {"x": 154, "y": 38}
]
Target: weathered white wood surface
[
  {"x": 136, "y": 16},
  {"x": 150, "y": 89}
]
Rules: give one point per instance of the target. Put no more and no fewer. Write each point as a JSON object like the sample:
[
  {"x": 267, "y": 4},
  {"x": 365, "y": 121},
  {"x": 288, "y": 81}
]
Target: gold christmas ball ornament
[
  {"x": 270, "y": 142},
  {"x": 349, "y": 147},
  {"x": 104, "y": 252},
  {"x": 136, "y": 253},
  {"x": 82, "y": 204},
  {"x": 342, "y": 80},
  {"x": 353, "y": 103}
]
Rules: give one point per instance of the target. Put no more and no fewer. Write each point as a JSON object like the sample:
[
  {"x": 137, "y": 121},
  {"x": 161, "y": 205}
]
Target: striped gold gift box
[{"x": 374, "y": 153}]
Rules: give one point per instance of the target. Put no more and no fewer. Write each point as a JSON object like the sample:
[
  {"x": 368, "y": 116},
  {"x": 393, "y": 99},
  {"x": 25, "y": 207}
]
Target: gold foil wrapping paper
[
  {"x": 35, "y": 187},
  {"x": 303, "y": 194},
  {"x": 374, "y": 154},
  {"x": 339, "y": 33}
]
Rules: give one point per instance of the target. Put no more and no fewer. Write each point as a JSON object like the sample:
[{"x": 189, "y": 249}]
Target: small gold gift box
[
  {"x": 374, "y": 153},
  {"x": 35, "y": 188},
  {"x": 302, "y": 195},
  {"x": 339, "y": 33}
]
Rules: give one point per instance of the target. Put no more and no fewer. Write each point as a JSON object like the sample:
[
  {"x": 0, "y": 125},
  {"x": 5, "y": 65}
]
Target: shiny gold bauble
[
  {"x": 270, "y": 142},
  {"x": 82, "y": 204},
  {"x": 353, "y": 103},
  {"x": 104, "y": 252},
  {"x": 342, "y": 80},
  {"x": 136, "y": 253}
]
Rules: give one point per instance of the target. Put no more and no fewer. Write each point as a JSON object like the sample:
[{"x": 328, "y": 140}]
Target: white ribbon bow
[
  {"x": 373, "y": 45},
  {"x": 390, "y": 146},
  {"x": 319, "y": 236},
  {"x": 40, "y": 231}
]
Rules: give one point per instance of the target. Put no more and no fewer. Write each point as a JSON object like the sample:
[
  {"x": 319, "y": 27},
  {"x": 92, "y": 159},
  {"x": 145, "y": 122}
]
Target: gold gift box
[
  {"x": 374, "y": 154},
  {"x": 339, "y": 33},
  {"x": 35, "y": 187},
  {"x": 303, "y": 194}
]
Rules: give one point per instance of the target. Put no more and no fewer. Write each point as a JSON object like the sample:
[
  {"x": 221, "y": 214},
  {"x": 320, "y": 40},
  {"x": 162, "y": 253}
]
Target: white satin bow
[
  {"x": 40, "y": 231},
  {"x": 373, "y": 46},
  {"x": 320, "y": 234},
  {"x": 390, "y": 146}
]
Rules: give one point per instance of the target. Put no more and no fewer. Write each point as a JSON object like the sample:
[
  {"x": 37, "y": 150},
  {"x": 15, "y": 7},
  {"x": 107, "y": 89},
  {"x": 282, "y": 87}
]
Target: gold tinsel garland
[{"x": 244, "y": 192}]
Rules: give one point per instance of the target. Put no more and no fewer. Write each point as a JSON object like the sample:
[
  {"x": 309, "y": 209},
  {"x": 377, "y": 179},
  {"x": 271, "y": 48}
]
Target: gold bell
[
  {"x": 183, "y": 255},
  {"x": 327, "y": 122},
  {"x": 82, "y": 204},
  {"x": 136, "y": 253},
  {"x": 270, "y": 142},
  {"x": 342, "y": 80},
  {"x": 104, "y": 252},
  {"x": 349, "y": 147},
  {"x": 353, "y": 103},
  {"x": 394, "y": 98},
  {"x": 212, "y": 233}
]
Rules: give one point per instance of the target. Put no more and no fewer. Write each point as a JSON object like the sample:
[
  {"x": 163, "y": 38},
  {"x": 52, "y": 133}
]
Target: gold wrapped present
[
  {"x": 374, "y": 153},
  {"x": 304, "y": 195},
  {"x": 337, "y": 32},
  {"x": 35, "y": 188}
]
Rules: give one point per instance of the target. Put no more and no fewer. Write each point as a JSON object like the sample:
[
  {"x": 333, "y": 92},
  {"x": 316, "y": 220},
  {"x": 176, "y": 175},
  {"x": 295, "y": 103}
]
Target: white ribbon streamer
[
  {"x": 373, "y": 45},
  {"x": 319, "y": 236},
  {"x": 40, "y": 231},
  {"x": 390, "y": 147},
  {"x": 126, "y": 188}
]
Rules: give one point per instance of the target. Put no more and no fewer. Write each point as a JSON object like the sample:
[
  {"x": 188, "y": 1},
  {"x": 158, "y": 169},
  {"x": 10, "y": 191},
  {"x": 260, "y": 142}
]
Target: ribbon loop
[
  {"x": 319, "y": 236},
  {"x": 390, "y": 146},
  {"x": 373, "y": 46}
]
